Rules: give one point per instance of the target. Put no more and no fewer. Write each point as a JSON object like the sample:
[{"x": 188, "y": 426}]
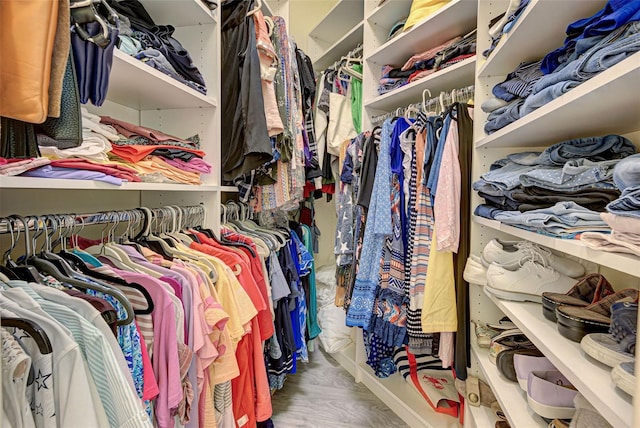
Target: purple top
[{"x": 49, "y": 171}]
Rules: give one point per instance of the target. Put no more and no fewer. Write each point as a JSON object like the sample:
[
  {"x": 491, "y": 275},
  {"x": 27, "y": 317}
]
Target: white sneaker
[
  {"x": 527, "y": 283},
  {"x": 509, "y": 254},
  {"x": 474, "y": 271}
]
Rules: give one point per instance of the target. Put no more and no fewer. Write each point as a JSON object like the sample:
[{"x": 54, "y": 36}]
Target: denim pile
[
  {"x": 428, "y": 62},
  {"x": 623, "y": 214},
  {"x": 592, "y": 46},
  {"x": 560, "y": 191},
  {"x": 153, "y": 44},
  {"x": 502, "y": 24}
]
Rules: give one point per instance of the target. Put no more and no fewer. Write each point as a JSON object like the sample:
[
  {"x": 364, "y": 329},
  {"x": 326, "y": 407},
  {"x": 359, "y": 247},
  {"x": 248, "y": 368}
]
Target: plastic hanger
[
  {"x": 256, "y": 8},
  {"x": 33, "y": 330}
]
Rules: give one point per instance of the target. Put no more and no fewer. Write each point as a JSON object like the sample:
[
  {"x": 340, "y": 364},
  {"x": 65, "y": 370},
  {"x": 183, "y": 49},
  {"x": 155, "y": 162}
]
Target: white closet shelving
[
  {"x": 142, "y": 95},
  {"x": 338, "y": 32},
  {"x": 578, "y": 113}
]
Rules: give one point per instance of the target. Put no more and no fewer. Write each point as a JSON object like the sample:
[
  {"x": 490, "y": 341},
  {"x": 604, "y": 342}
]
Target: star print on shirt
[
  {"x": 39, "y": 410},
  {"x": 41, "y": 380}
]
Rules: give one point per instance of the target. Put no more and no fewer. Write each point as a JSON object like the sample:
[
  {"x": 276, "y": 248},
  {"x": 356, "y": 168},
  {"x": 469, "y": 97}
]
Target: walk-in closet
[{"x": 319, "y": 213}]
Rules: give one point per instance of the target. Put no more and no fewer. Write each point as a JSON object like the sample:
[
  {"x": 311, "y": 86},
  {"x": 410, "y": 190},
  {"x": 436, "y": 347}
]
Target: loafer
[
  {"x": 574, "y": 322},
  {"x": 604, "y": 348},
  {"x": 510, "y": 254},
  {"x": 623, "y": 375},
  {"x": 550, "y": 394},
  {"x": 586, "y": 291},
  {"x": 526, "y": 362},
  {"x": 505, "y": 361}
]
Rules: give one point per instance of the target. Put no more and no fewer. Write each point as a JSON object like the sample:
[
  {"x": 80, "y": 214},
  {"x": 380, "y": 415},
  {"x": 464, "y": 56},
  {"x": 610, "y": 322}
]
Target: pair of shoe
[
  {"x": 585, "y": 308},
  {"x": 486, "y": 332},
  {"x": 617, "y": 349},
  {"x": 522, "y": 271}
]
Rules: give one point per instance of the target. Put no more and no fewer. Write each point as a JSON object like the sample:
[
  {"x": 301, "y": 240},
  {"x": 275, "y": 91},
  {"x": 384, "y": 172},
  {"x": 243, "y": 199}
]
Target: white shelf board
[
  {"x": 135, "y": 84},
  {"x": 69, "y": 184},
  {"x": 404, "y": 401},
  {"x": 590, "y": 377},
  {"x": 455, "y": 19},
  {"x": 580, "y": 112},
  {"x": 342, "y": 17},
  {"x": 389, "y": 13},
  {"x": 512, "y": 399},
  {"x": 480, "y": 417},
  {"x": 525, "y": 41},
  {"x": 266, "y": 9},
  {"x": 179, "y": 13},
  {"x": 618, "y": 261},
  {"x": 229, "y": 189},
  {"x": 456, "y": 76},
  {"x": 340, "y": 48},
  {"x": 346, "y": 357}
]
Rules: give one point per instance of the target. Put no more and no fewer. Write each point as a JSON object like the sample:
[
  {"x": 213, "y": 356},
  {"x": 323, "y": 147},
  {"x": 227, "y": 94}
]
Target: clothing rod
[
  {"x": 88, "y": 219},
  {"x": 353, "y": 52},
  {"x": 444, "y": 97}
]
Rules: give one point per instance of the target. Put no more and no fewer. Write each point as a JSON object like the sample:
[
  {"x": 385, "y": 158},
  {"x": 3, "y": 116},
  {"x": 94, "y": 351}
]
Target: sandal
[
  {"x": 575, "y": 322},
  {"x": 585, "y": 292},
  {"x": 476, "y": 391}
]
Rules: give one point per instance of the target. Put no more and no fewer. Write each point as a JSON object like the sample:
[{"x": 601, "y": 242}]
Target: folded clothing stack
[
  {"x": 114, "y": 151},
  {"x": 154, "y": 44},
  {"x": 559, "y": 191},
  {"x": 593, "y": 45},
  {"x": 623, "y": 214},
  {"x": 428, "y": 62}
]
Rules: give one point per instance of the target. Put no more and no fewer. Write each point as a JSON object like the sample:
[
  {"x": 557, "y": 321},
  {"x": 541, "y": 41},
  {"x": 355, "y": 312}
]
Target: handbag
[{"x": 66, "y": 130}]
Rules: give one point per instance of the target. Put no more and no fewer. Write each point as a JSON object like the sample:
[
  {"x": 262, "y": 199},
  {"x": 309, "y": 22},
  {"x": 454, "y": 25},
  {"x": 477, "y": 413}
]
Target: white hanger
[{"x": 256, "y": 8}]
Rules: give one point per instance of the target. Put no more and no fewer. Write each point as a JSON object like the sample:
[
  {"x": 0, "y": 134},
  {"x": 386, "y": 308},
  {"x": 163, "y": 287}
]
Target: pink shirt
[
  {"x": 446, "y": 206},
  {"x": 166, "y": 365}
]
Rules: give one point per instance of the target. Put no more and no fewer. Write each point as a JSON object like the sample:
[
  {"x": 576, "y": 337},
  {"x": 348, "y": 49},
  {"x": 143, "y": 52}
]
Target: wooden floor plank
[{"x": 322, "y": 394}]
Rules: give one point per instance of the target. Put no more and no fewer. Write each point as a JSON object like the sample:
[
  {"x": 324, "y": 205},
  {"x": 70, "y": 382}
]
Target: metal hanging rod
[{"x": 435, "y": 104}]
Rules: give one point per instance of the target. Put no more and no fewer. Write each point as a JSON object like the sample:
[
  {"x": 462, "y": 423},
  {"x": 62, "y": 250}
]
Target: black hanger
[
  {"x": 79, "y": 264},
  {"x": 32, "y": 329},
  {"x": 23, "y": 272}
]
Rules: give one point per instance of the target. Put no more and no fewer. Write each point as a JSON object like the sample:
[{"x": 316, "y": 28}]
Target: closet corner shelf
[
  {"x": 455, "y": 19},
  {"x": 266, "y": 9},
  {"x": 590, "y": 377},
  {"x": 458, "y": 75},
  {"x": 620, "y": 262},
  {"x": 180, "y": 13},
  {"x": 342, "y": 17},
  {"x": 604, "y": 104},
  {"x": 141, "y": 87},
  {"x": 512, "y": 399},
  {"x": 346, "y": 357},
  {"x": 340, "y": 48},
  {"x": 390, "y": 12},
  {"x": 404, "y": 401},
  {"x": 525, "y": 41},
  {"x": 68, "y": 184}
]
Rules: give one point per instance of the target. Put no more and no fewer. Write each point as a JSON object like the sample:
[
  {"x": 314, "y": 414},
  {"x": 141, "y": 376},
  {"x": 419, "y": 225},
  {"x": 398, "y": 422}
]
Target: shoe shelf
[
  {"x": 348, "y": 42},
  {"x": 404, "y": 401},
  {"x": 478, "y": 417},
  {"x": 580, "y": 112},
  {"x": 457, "y": 18},
  {"x": 136, "y": 85},
  {"x": 620, "y": 262},
  {"x": 518, "y": 45},
  {"x": 512, "y": 399},
  {"x": 458, "y": 75},
  {"x": 180, "y": 13},
  {"x": 590, "y": 377}
]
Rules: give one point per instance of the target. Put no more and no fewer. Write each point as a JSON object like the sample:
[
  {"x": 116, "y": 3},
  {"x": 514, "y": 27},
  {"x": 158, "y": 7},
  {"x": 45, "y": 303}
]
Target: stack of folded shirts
[
  {"x": 623, "y": 214},
  {"x": 571, "y": 182},
  {"x": 593, "y": 45},
  {"x": 428, "y": 62}
]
